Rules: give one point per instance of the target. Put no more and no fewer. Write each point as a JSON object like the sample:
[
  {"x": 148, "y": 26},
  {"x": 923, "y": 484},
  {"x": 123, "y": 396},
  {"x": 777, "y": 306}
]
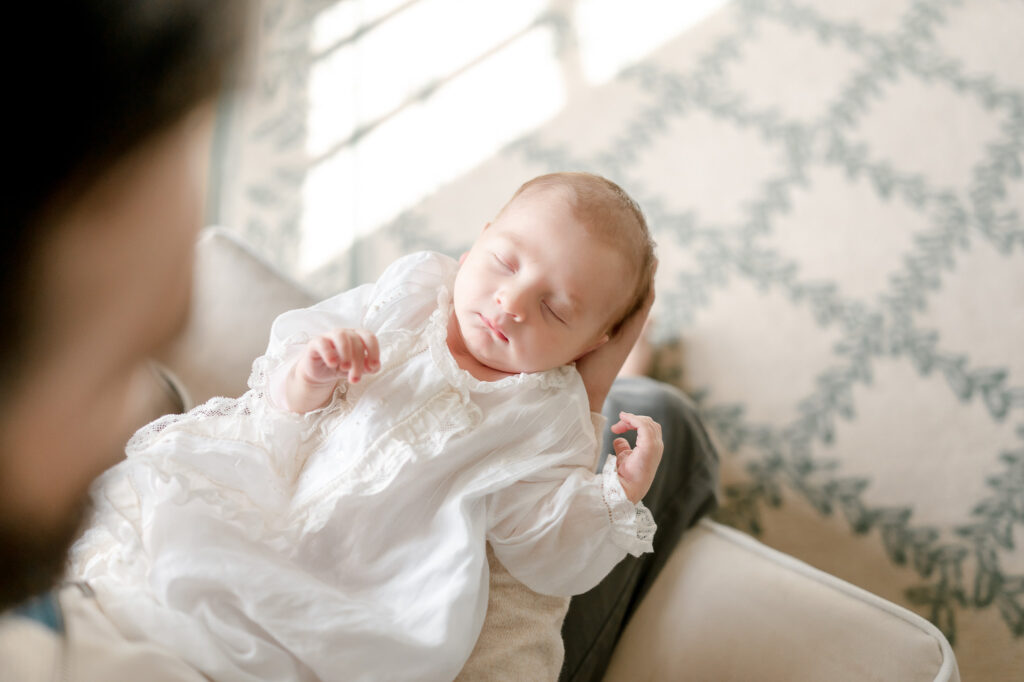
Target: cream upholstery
[{"x": 727, "y": 607}]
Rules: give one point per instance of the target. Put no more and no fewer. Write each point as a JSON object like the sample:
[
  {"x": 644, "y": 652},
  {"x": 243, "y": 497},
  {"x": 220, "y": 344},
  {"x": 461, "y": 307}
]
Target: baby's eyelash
[
  {"x": 552, "y": 311},
  {"x": 501, "y": 262}
]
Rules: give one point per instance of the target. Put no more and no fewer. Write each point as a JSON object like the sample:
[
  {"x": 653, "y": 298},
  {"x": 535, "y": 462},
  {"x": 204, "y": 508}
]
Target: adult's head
[{"x": 112, "y": 106}]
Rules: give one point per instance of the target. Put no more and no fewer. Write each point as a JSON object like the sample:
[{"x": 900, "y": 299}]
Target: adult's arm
[
  {"x": 599, "y": 368},
  {"x": 684, "y": 490}
]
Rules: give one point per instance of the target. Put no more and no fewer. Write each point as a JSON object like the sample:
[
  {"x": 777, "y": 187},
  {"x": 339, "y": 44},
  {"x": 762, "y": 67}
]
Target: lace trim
[
  {"x": 255, "y": 404},
  {"x": 423, "y": 434},
  {"x": 214, "y": 407},
  {"x": 632, "y": 524},
  {"x": 436, "y": 333},
  {"x": 265, "y": 365}
]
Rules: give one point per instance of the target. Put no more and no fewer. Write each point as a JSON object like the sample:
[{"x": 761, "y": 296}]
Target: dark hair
[{"x": 88, "y": 81}]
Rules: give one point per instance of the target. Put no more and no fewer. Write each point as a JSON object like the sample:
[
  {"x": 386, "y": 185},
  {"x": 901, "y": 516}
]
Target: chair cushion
[{"x": 727, "y": 607}]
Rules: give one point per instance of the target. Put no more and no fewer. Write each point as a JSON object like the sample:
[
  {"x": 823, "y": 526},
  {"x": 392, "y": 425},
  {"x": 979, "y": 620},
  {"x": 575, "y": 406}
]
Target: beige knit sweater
[{"x": 522, "y": 634}]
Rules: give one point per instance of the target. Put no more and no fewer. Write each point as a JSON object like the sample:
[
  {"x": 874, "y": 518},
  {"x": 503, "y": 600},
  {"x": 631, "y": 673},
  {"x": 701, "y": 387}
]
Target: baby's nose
[{"x": 511, "y": 302}]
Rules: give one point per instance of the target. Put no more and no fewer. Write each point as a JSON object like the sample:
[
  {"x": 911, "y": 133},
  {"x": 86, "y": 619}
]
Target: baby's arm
[
  {"x": 561, "y": 529},
  {"x": 636, "y": 467},
  {"x": 324, "y": 361}
]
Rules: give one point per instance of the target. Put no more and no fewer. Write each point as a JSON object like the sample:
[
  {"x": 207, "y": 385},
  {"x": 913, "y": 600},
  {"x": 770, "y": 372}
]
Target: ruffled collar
[{"x": 437, "y": 340}]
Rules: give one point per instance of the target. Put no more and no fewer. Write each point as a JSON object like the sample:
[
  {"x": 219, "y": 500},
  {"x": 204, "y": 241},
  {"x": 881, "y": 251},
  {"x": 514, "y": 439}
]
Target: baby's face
[{"x": 536, "y": 291}]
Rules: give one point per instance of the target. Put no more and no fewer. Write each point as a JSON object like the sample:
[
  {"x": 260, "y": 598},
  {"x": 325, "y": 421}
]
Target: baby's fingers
[
  {"x": 648, "y": 431},
  {"x": 322, "y": 349},
  {"x": 371, "y": 350},
  {"x": 359, "y": 352},
  {"x": 320, "y": 364},
  {"x": 645, "y": 457},
  {"x": 342, "y": 342}
]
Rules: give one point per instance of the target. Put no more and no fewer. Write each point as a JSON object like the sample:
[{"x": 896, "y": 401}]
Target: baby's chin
[
  {"x": 503, "y": 365},
  {"x": 519, "y": 368},
  {"x": 496, "y": 365}
]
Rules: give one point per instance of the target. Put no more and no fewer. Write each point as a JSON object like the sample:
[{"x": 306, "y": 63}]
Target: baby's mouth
[{"x": 494, "y": 328}]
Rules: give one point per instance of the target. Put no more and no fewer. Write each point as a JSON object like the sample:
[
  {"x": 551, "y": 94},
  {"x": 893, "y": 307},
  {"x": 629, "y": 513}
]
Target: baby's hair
[{"x": 611, "y": 215}]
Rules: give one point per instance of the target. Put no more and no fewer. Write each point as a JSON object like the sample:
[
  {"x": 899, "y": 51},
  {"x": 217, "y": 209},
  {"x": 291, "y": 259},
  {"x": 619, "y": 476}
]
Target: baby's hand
[
  {"x": 341, "y": 352},
  {"x": 636, "y": 467},
  {"x": 327, "y": 358}
]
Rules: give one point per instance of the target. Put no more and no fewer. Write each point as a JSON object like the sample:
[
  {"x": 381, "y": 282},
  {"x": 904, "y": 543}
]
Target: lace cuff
[
  {"x": 276, "y": 392},
  {"x": 270, "y": 371},
  {"x": 632, "y": 524},
  {"x": 265, "y": 366}
]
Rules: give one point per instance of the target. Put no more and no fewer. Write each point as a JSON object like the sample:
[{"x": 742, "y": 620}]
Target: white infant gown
[{"x": 349, "y": 543}]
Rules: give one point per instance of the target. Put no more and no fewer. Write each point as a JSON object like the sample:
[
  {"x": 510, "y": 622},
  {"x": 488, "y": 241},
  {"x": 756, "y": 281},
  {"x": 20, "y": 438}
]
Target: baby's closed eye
[
  {"x": 551, "y": 310},
  {"x": 504, "y": 263}
]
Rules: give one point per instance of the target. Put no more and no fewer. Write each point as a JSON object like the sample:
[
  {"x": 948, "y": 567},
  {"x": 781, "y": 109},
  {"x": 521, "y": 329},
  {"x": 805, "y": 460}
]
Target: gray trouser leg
[{"x": 683, "y": 492}]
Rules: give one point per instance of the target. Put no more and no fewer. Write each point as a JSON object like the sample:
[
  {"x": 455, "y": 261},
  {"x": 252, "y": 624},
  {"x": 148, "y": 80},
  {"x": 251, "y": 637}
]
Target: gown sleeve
[
  {"x": 370, "y": 306},
  {"x": 292, "y": 330},
  {"x": 561, "y": 530}
]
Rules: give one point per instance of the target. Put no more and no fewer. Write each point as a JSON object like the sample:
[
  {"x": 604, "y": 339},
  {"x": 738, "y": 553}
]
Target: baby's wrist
[
  {"x": 304, "y": 394},
  {"x": 300, "y": 377},
  {"x": 629, "y": 489}
]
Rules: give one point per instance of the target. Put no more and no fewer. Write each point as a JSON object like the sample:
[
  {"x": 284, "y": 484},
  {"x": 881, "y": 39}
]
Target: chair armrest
[{"x": 727, "y": 607}]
